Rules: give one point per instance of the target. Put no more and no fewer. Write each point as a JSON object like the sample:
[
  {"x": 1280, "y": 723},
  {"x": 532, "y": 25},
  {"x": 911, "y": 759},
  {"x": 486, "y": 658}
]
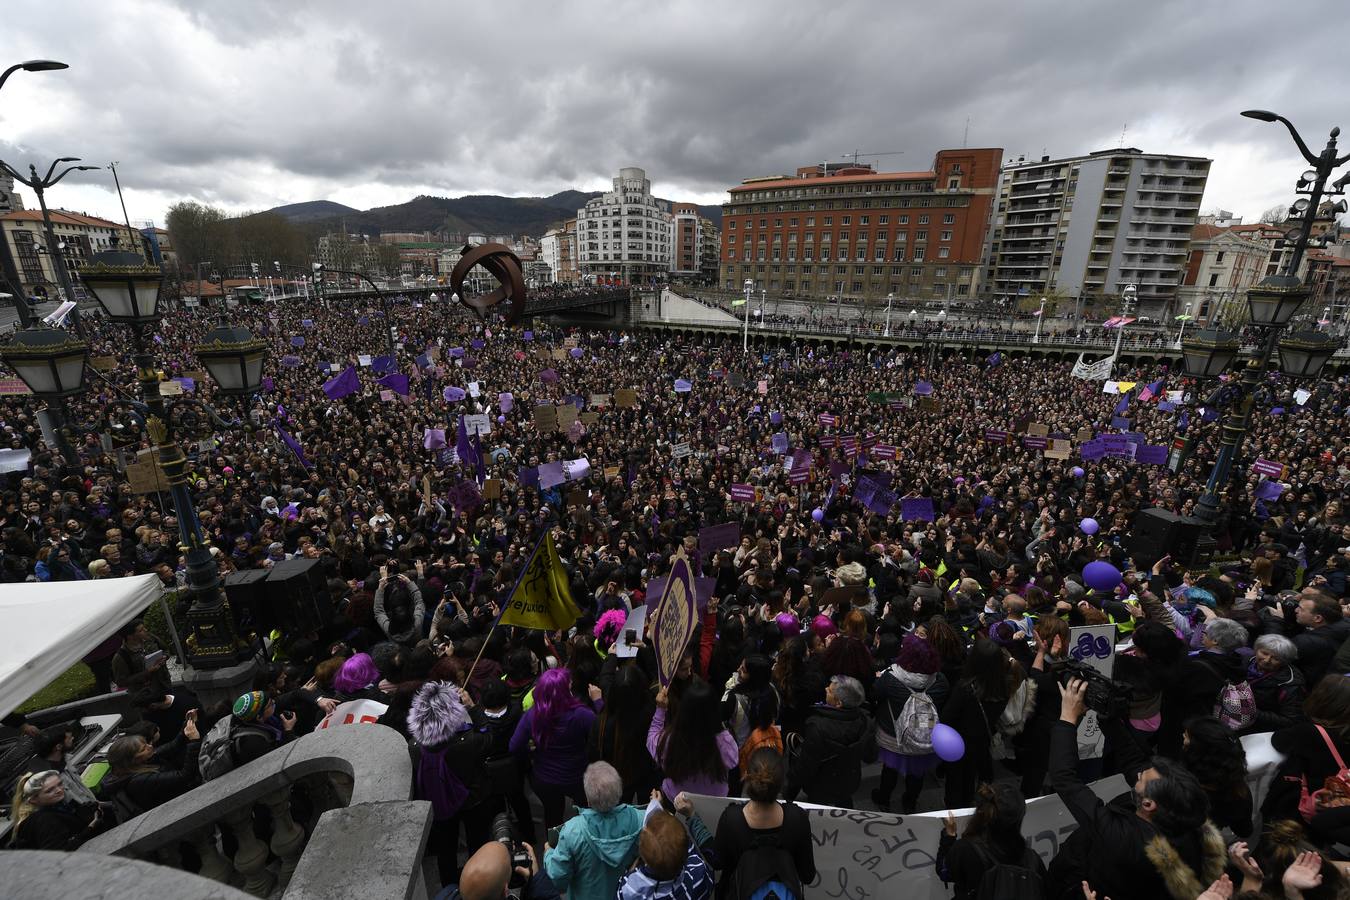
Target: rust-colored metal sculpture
[{"x": 501, "y": 264}]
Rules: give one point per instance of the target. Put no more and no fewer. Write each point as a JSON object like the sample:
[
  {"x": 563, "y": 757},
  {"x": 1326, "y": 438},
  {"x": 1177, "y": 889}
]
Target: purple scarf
[{"x": 438, "y": 784}]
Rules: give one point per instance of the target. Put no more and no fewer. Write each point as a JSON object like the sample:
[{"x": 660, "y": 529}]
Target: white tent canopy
[{"x": 49, "y": 627}]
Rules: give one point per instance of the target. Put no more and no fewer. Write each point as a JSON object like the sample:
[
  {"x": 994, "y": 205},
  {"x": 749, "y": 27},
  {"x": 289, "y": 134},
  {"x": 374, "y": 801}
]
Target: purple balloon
[
  {"x": 1076, "y": 471},
  {"x": 1089, "y": 525},
  {"x": 1100, "y": 575},
  {"x": 501, "y": 420},
  {"x": 577, "y": 352},
  {"x": 818, "y": 514},
  {"x": 948, "y": 743}
]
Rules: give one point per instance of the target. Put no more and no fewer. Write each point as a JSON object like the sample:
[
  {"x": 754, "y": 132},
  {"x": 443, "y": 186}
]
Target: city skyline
[{"x": 255, "y": 106}]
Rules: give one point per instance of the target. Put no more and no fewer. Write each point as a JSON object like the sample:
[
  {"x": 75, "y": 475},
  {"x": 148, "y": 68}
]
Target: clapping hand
[{"x": 1304, "y": 875}]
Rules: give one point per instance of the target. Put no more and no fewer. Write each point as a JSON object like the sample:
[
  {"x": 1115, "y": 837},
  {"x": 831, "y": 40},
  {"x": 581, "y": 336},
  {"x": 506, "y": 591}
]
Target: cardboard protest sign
[
  {"x": 1038, "y": 428},
  {"x": 1058, "y": 449},
  {"x": 566, "y": 415},
  {"x": 674, "y": 618},
  {"x": 545, "y": 417},
  {"x": 589, "y": 418},
  {"x": 103, "y": 363},
  {"x": 625, "y": 398},
  {"x": 599, "y": 401},
  {"x": 146, "y": 475},
  {"x": 930, "y": 404},
  {"x": 170, "y": 388},
  {"x": 492, "y": 489},
  {"x": 1083, "y": 435},
  {"x": 611, "y": 472}
]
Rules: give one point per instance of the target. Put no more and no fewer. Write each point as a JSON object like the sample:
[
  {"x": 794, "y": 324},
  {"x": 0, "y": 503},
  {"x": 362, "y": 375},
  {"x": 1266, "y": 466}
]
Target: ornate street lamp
[
  {"x": 234, "y": 358},
  {"x": 126, "y": 288},
  {"x": 1208, "y": 352},
  {"x": 1303, "y": 353},
  {"x": 50, "y": 361},
  {"x": 1274, "y": 301}
]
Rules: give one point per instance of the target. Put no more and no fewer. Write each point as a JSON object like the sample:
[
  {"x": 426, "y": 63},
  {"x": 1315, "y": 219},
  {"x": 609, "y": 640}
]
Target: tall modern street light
[
  {"x": 1128, "y": 296},
  {"x": 52, "y": 363},
  {"x": 32, "y": 65},
  {"x": 745, "y": 331},
  {"x": 890, "y": 300},
  {"x": 1273, "y": 304}
]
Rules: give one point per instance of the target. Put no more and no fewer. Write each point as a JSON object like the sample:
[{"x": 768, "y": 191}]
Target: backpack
[
  {"x": 1335, "y": 790},
  {"x": 216, "y": 756},
  {"x": 1003, "y": 881},
  {"x": 914, "y": 727},
  {"x": 766, "y": 871},
  {"x": 1236, "y": 704}
]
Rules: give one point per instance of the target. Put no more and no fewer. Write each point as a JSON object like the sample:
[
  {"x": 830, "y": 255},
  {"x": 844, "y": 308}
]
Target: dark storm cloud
[{"x": 241, "y": 102}]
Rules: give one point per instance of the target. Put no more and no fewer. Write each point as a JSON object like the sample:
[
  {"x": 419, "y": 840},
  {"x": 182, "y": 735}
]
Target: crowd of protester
[{"x": 834, "y": 636}]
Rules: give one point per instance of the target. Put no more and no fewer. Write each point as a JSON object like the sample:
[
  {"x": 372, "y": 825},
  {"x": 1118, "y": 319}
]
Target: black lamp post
[
  {"x": 51, "y": 362},
  {"x": 128, "y": 291},
  {"x": 1272, "y": 305}
]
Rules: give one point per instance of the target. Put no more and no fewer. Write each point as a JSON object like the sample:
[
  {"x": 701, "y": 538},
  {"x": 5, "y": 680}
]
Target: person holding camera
[
  {"x": 1157, "y": 843},
  {"x": 489, "y": 875}
]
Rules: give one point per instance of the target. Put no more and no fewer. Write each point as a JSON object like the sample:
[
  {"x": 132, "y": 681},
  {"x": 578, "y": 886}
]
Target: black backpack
[
  {"x": 1004, "y": 881},
  {"x": 766, "y": 871}
]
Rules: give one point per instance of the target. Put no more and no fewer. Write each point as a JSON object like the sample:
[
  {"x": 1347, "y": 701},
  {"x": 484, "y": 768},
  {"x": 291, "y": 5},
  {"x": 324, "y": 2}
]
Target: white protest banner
[
  {"x": 474, "y": 389},
  {"x": 680, "y": 450},
  {"x": 862, "y": 855},
  {"x": 1093, "y": 371},
  {"x": 15, "y": 460},
  {"x": 363, "y": 359},
  {"x": 1095, "y": 646},
  {"x": 480, "y": 423},
  {"x": 355, "y": 712}
]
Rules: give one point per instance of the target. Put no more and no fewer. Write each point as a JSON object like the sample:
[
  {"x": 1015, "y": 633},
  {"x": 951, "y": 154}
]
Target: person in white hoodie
[{"x": 668, "y": 868}]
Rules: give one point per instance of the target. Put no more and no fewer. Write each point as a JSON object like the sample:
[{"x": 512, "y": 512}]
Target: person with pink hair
[
  {"x": 359, "y": 679},
  {"x": 553, "y": 733}
]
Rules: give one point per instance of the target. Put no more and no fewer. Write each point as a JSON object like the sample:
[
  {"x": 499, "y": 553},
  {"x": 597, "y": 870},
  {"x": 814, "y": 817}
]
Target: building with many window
[
  {"x": 625, "y": 233},
  {"x": 1087, "y": 226},
  {"x": 79, "y": 235},
  {"x": 855, "y": 233}
]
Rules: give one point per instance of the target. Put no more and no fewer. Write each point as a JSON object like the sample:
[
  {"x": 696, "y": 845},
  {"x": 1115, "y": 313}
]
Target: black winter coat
[
  {"x": 834, "y": 744},
  {"x": 1279, "y": 698},
  {"x": 143, "y": 791}
]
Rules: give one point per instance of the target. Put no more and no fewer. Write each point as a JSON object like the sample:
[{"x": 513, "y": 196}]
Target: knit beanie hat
[{"x": 249, "y": 707}]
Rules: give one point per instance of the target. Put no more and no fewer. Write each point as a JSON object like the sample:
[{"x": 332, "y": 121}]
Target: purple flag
[
  {"x": 477, "y": 344},
  {"x": 433, "y": 438},
  {"x": 548, "y": 376},
  {"x": 1119, "y": 423},
  {"x": 1151, "y": 454},
  {"x": 363, "y": 320},
  {"x": 268, "y": 385},
  {"x": 682, "y": 386},
  {"x": 464, "y": 447},
  {"x": 1269, "y": 490},
  {"x": 506, "y": 402},
  {"x": 917, "y": 509},
  {"x": 423, "y": 361},
  {"x": 528, "y": 476},
  {"x": 1184, "y": 420},
  {"x": 1166, "y": 406},
  {"x": 923, "y": 388},
  {"x": 382, "y": 365},
  {"x": 298, "y": 341},
  {"x": 1123, "y": 405},
  {"x": 527, "y": 336},
  {"x": 453, "y": 394},
  {"x": 396, "y": 382},
  {"x": 292, "y": 443},
  {"x": 342, "y": 384},
  {"x": 775, "y": 418}
]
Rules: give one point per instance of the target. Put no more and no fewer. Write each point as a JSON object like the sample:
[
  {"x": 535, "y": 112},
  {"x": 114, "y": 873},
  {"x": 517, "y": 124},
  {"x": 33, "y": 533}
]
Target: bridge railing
[{"x": 365, "y": 836}]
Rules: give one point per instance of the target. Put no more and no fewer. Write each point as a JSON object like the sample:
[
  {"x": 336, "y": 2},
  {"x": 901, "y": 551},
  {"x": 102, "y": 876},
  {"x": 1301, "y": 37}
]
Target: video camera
[
  {"x": 1105, "y": 697},
  {"x": 504, "y": 834}
]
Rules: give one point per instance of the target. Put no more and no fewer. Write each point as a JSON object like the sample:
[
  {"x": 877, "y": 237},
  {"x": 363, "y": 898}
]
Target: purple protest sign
[
  {"x": 506, "y": 402},
  {"x": 917, "y": 509},
  {"x": 718, "y": 537},
  {"x": 548, "y": 376},
  {"x": 453, "y": 394},
  {"x": 477, "y": 343},
  {"x": 996, "y": 436},
  {"x": 1035, "y": 441},
  {"x": 780, "y": 442},
  {"x": 1267, "y": 468},
  {"x": 576, "y": 353},
  {"x": 682, "y": 386},
  {"x": 775, "y": 418},
  {"x": 673, "y": 621},
  {"x": 1093, "y": 449},
  {"x": 923, "y": 389},
  {"x": 298, "y": 341},
  {"x": 527, "y": 336},
  {"x": 455, "y": 353},
  {"x": 743, "y": 493},
  {"x": 433, "y": 438},
  {"x": 827, "y": 421},
  {"x": 884, "y": 451},
  {"x": 1151, "y": 454},
  {"x": 1120, "y": 423}
]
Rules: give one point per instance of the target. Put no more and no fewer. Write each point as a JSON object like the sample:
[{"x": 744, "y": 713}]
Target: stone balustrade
[{"x": 366, "y": 836}]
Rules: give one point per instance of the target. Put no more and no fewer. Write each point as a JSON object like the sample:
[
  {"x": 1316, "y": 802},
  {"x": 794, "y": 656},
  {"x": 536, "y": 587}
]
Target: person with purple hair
[
  {"x": 553, "y": 733},
  {"x": 358, "y": 679}
]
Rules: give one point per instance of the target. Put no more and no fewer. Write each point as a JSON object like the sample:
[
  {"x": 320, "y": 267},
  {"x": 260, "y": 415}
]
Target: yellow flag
[
  {"x": 942, "y": 568},
  {"x": 1125, "y": 387},
  {"x": 541, "y": 599}
]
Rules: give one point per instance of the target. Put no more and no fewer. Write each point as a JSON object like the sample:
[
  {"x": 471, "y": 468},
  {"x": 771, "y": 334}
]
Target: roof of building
[
  {"x": 793, "y": 181},
  {"x": 1205, "y": 232},
  {"x": 59, "y": 216}
]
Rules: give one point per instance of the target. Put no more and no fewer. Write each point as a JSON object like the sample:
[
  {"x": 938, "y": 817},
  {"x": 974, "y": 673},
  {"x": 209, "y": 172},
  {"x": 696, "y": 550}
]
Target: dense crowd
[{"x": 832, "y": 637}]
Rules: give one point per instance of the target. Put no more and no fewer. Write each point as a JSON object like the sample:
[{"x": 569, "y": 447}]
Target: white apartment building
[
  {"x": 550, "y": 251},
  {"x": 625, "y": 232},
  {"x": 1087, "y": 226}
]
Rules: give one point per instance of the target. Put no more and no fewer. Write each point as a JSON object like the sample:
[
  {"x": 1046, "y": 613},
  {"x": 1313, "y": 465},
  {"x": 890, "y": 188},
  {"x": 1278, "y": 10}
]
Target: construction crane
[{"x": 857, "y": 153}]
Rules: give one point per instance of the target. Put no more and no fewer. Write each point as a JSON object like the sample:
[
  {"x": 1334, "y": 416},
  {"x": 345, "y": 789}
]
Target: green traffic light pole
[{"x": 1280, "y": 291}]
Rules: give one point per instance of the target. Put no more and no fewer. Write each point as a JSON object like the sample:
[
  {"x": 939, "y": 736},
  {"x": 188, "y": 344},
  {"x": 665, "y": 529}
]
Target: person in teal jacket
[{"x": 597, "y": 845}]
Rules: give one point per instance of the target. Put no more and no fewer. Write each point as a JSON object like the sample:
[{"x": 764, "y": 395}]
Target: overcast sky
[{"x": 249, "y": 104}]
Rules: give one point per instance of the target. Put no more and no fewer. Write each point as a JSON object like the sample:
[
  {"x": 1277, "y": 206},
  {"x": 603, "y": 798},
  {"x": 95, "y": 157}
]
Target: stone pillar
[
  {"x": 288, "y": 838},
  {"x": 221, "y": 685},
  {"x": 251, "y": 857}
]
